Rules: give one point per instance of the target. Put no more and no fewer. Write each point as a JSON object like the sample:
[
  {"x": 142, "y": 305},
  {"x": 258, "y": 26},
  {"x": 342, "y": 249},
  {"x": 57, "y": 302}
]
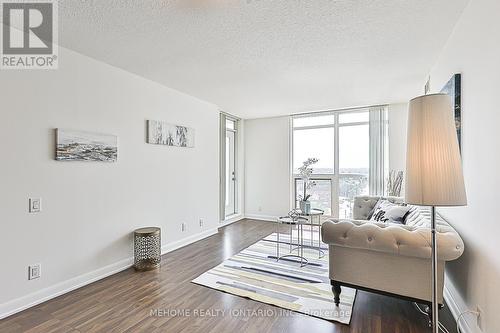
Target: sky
[{"x": 319, "y": 143}]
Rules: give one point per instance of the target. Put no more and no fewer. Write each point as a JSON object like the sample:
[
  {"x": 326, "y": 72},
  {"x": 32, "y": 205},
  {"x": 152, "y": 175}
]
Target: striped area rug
[{"x": 254, "y": 273}]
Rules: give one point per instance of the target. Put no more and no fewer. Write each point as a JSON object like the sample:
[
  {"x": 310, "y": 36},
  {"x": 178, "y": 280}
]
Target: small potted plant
[{"x": 305, "y": 172}]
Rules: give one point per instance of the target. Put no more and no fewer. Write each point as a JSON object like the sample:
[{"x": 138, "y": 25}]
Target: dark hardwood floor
[{"x": 125, "y": 301}]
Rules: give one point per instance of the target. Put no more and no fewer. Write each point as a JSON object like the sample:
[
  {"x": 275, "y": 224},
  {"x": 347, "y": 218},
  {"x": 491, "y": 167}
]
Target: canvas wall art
[
  {"x": 86, "y": 146},
  {"x": 162, "y": 133},
  {"x": 454, "y": 88}
]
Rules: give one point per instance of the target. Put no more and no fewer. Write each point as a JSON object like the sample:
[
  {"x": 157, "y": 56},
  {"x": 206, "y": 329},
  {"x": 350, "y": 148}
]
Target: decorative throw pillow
[
  {"x": 370, "y": 214},
  {"x": 389, "y": 212}
]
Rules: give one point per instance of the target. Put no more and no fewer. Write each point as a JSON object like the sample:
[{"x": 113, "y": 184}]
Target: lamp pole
[
  {"x": 434, "y": 176},
  {"x": 435, "y": 305}
]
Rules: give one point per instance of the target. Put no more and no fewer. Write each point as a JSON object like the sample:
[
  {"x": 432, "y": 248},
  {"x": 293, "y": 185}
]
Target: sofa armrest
[{"x": 392, "y": 238}]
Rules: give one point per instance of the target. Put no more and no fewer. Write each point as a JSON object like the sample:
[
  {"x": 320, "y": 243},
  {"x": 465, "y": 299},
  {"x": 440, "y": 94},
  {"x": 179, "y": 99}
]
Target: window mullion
[
  {"x": 335, "y": 181},
  {"x": 313, "y": 127},
  {"x": 355, "y": 124}
]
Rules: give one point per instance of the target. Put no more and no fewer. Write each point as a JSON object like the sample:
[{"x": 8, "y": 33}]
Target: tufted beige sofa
[{"x": 391, "y": 259}]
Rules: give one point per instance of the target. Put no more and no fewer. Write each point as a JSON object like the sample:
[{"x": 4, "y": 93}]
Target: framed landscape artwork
[
  {"x": 454, "y": 88},
  {"x": 86, "y": 146},
  {"x": 162, "y": 133}
]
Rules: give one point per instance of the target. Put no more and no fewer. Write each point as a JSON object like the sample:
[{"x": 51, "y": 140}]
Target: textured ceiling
[{"x": 256, "y": 58}]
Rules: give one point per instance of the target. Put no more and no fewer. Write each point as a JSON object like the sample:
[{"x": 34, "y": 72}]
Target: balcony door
[{"x": 230, "y": 177}]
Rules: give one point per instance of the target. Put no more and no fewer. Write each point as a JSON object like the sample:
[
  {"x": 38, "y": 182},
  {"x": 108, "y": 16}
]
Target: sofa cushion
[
  {"x": 364, "y": 205},
  {"x": 389, "y": 212}
]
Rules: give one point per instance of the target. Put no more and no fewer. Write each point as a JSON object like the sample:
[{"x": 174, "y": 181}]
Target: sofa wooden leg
[{"x": 336, "y": 292}]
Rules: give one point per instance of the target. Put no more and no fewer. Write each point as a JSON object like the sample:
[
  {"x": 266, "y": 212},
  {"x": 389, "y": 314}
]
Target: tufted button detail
[{"x": 413, "y": 236}]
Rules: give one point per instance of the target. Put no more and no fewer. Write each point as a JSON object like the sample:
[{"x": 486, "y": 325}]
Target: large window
[{"x": 341, "y": 142}]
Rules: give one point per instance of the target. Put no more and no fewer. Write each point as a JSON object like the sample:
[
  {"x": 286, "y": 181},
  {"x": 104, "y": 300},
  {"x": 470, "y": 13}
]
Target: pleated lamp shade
[{"x": 434, "y": 174}]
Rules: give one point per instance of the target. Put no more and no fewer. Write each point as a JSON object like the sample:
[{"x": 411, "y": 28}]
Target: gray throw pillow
[{"x": 389, "y": 212}]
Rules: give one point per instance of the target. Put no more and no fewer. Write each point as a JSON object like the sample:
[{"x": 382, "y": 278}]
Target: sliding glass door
[{"x": 341, "y": 142}]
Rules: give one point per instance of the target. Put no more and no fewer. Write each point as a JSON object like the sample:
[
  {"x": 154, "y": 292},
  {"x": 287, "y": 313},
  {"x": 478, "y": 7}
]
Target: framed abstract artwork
[
  {"x": 454, "y": 88},
  {"x": 85, "y": 146},
  {"x": 162, "y": 133}
]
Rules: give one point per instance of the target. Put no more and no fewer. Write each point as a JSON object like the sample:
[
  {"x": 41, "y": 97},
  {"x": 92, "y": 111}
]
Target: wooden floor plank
[{"x": 123, "y": 302}]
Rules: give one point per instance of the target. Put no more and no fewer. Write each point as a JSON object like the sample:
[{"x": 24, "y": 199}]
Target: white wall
[
  {"x": 267, "y": 176},
  {"x": 474, "y": 50},
  {"x": 90, "y": 209}
]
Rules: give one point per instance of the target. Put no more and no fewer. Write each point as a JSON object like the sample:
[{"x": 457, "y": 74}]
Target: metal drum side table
[{"x": 147, "y": 248}]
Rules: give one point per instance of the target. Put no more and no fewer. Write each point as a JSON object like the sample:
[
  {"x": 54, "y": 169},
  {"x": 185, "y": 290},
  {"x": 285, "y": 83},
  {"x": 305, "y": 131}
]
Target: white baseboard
[
  {"x": 457, "y": 306},
  {"x": 22, "y": 303},
  {"x": 232, "y": 219},
  {"x": 188, "y": 240},
  {"x": 268, "y": 218},
  {"x": 40, "y": 296}
]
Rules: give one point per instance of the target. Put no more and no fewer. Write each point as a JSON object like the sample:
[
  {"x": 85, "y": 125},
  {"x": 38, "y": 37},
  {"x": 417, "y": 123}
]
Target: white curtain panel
[{"x": 378, "y": 149}]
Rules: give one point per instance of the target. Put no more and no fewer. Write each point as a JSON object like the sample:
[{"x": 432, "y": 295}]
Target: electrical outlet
[
  {"x": 35, "y": 205},
  {"x": 479, "y": 318},
  {"x": 34, "y": 271},
  {"x": 260, "y": 208},
  {"x": 183, "y": 226},
  {"x": 202, "y": 222}
]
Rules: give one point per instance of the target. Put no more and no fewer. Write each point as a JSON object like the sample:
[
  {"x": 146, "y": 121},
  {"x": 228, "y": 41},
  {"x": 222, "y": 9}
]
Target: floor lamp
[{"x": 433, "y": 167}]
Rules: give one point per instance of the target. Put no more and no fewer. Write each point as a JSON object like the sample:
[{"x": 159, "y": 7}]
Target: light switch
[{"x": 35, "y": 205}]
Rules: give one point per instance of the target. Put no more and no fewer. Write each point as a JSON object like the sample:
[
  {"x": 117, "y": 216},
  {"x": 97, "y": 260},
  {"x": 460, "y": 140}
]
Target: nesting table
[{"x": 300, "y": 219}]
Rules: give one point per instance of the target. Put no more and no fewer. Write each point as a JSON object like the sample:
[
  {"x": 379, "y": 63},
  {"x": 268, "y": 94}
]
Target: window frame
[
  {"x": 224, "y": 119},
  {"x": 335, "y": 177}
]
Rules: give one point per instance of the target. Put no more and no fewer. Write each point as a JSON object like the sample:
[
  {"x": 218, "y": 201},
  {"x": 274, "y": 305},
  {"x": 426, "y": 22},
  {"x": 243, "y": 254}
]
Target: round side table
[
  {"x": 314, "y": 214},
  {"x": 147, "y": 248},
  {"x": 293, "y": 218}
]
